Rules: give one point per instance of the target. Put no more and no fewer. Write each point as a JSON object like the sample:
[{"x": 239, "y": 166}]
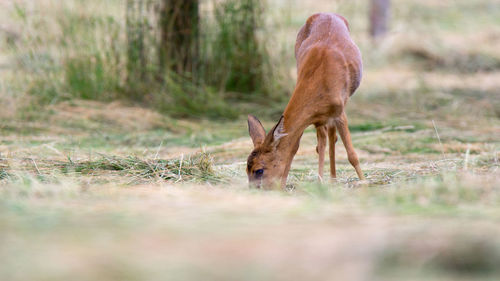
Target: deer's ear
[
  {"x": 278, "y": 132},
  {"x": 256, "y": 130}
]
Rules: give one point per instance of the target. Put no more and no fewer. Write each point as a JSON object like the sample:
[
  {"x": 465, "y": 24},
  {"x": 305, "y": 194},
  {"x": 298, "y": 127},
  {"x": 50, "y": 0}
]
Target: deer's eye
[{"x": 259, "y": 172}]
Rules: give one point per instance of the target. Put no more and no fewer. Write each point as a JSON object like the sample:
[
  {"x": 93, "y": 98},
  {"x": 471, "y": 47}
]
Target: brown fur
[{"x": 329, "y": 71}]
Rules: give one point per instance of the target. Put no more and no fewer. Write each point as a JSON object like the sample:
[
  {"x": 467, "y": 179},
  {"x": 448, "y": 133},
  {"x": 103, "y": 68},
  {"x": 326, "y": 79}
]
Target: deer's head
[{"x": 265, "y": 165}]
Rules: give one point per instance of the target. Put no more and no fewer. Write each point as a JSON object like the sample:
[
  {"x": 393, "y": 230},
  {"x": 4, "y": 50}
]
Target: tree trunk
[
  {"x": 179, "y": 44},
  {"x": 136, "y": 57},
  {"x": 379, "y": 14}
]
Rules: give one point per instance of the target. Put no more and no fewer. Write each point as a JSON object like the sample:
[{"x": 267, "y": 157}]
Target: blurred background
[
  {"x": 223, "y": 59},
  {"x": 123, "y": 141}
]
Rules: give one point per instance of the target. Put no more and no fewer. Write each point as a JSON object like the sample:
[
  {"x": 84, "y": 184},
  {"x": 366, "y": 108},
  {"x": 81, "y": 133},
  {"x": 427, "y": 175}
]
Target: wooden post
[{"x": 379, "y": 14}]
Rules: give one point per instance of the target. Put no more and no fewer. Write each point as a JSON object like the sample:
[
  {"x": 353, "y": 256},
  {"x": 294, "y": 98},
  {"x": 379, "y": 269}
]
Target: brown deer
[{"x": 329, "y": 70}]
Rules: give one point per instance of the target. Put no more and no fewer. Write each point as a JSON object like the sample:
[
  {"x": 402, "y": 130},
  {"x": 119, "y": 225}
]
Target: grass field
[{"x": 113, "y": 191}]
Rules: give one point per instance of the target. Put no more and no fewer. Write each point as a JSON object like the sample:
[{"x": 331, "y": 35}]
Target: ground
[{"x": 88, "y": 198}]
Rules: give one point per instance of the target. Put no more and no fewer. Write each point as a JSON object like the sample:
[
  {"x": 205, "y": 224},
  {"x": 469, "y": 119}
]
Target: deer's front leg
[{"x": 321, "y": 132}]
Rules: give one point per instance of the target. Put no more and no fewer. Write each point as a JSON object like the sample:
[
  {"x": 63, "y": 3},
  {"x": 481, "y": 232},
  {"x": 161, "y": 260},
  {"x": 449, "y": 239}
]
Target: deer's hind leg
[
  {"x": 321, "y": 133},
  {"x": 332, "y": 140},
  {"x": 345, "y": 135}
]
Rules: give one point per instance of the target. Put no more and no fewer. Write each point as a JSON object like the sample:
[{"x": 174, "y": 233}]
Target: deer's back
[{"x": 326, "y": 54}]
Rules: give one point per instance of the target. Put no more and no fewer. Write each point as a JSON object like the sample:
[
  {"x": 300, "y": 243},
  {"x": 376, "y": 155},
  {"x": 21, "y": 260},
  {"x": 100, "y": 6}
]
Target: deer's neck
[{"x": 296, "y": 120}]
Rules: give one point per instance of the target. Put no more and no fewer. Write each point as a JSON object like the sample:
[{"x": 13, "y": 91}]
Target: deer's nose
[{"x": 255, "y": 184}]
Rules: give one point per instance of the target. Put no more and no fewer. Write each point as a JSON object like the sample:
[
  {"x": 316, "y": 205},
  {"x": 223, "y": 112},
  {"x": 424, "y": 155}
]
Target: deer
[{"x": 329, "y": 70}]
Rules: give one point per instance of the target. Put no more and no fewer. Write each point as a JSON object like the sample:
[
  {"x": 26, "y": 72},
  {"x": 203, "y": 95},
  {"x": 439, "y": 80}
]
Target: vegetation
[
  {"x": 100, "y": 179},
  {"x": 142, "y": 52}
]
